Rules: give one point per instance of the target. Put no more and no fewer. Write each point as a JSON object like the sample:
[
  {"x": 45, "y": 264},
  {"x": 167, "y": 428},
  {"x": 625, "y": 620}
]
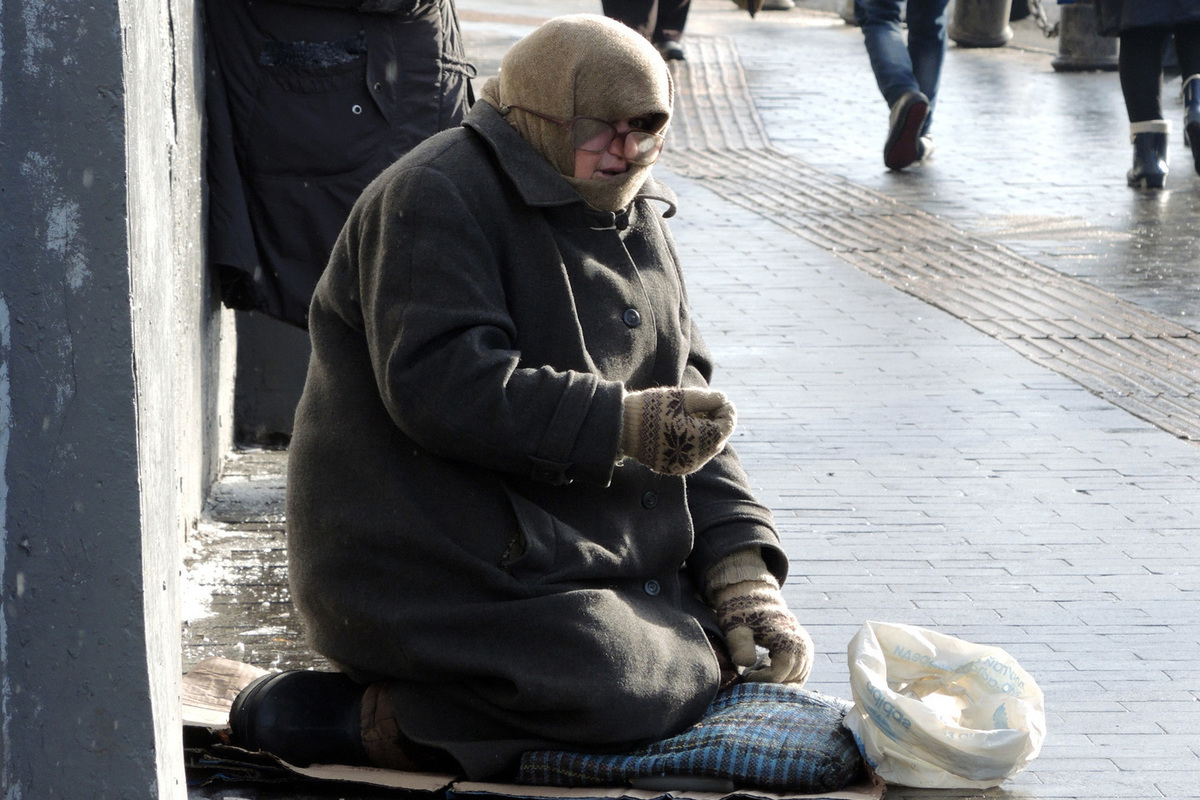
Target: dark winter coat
[
  {"x": 1114, "y": 16},
  {"x": 305, "y": 107},
  {"x": 455, "y": 518}
]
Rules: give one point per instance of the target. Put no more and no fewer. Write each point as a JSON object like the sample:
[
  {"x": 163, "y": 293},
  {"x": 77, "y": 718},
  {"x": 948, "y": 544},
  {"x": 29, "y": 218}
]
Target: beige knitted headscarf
[{"x": 582, "y": 65}]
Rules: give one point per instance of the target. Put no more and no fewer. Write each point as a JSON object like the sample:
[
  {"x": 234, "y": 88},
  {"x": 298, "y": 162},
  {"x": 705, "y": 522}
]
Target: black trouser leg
[
  {"x": 1187, "y": 47},
  {"x": 1140, "y": 65},
  {"x": 672, "y": 17},
  {"x": 637, "y": 14}
]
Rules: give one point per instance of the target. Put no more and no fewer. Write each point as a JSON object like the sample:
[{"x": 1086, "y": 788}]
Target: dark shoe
[
  {"x": 1191, "y": 117},
  {"x": 302, "y": 717},
  {"x": 904, "y": 130},
  {"x": 671, "y": 51},
  {"x": 1149, "y": 169}
]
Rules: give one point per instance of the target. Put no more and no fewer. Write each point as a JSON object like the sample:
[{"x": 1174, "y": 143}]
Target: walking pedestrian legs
[
  {"x": 907, "y": 70},
  {"x": 1140, "y": 66},
  {"x": 660, "y": 21}
]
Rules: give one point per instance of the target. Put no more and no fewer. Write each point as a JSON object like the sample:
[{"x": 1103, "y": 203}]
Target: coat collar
[{"x": 538, "y": 183}]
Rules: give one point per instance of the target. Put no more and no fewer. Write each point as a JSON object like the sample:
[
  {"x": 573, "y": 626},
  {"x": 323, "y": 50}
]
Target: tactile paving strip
[{"x": 1135, "y": 359}]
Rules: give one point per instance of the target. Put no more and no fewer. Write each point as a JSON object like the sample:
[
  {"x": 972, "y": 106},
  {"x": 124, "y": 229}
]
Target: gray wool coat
[{"x": 456, "y": 522}]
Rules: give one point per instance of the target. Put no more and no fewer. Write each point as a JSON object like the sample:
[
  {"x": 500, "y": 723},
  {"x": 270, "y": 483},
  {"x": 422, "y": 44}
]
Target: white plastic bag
[{"x": 938, "y": 712}]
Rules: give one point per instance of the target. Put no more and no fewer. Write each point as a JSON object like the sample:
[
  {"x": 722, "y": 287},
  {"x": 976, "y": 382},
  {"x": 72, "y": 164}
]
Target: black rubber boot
[
  {"x": 302, "y": 717},
  {"x": 1191, "y": 117},
  {"x": 1149, "y": 169}
]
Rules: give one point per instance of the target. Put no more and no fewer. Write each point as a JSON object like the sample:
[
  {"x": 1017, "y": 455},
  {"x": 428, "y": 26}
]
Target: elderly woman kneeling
[{"x": 513, "y": 519}]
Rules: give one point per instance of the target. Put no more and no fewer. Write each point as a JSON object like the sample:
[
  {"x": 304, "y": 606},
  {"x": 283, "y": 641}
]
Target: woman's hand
[
  {"x": 754, "y": 613},
  {"x": 675, "y": 431}
]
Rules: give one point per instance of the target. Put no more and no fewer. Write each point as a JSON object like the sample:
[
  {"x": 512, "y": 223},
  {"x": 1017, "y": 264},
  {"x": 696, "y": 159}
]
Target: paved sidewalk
[{"x": 921, "y": 470}]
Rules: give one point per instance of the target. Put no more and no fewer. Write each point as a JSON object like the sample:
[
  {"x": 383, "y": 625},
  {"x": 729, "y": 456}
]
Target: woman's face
[{"x": 610, "y": 162}]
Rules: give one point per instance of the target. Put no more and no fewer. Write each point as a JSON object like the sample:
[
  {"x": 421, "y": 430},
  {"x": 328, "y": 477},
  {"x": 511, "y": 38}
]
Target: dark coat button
[
  {"x": 631, "y": 317},
  {"x": 652, "y": 588},
  {"x": 650, "y": 499}
]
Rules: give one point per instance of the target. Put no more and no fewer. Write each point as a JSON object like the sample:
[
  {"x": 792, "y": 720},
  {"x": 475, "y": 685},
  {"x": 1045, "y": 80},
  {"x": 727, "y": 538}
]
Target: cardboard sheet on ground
[{"x": 209, "y": 690}]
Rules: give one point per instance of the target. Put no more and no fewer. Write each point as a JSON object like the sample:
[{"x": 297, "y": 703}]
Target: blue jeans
[{"x": 901, "y": 67}]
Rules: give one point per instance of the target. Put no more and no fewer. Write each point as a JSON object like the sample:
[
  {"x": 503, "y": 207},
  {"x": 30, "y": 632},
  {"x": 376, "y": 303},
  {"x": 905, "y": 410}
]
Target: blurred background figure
[
  {"x": 907, "y": 70},
  {"x": 660, "y": 21},
  {"x": 1145, "y": 28},
  {"x": 306, "y": 103}
]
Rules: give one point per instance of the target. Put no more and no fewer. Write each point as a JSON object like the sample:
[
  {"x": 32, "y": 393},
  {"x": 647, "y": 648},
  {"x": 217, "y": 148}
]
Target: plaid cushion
[{"x": 762, "y": 735}]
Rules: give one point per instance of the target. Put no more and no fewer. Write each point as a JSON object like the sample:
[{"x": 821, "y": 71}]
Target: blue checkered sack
[{"x": 757, "y": 735}]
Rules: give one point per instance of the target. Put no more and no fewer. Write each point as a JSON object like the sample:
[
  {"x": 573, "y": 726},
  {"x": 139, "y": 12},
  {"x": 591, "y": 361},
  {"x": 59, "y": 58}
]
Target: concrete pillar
[
  {"x": 981, "y": 23},
  {"x": 846, "y": 11},
  {"x": 109, "y": 422},
  {"x": 1080, "y": 47}
]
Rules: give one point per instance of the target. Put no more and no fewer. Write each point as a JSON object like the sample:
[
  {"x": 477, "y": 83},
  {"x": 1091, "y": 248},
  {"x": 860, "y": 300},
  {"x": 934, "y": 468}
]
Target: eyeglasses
[{"x": 595, "y": 135}]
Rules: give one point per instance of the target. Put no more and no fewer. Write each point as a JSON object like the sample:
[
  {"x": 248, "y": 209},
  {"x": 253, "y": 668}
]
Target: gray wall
[{"x": 112, "y": 415}]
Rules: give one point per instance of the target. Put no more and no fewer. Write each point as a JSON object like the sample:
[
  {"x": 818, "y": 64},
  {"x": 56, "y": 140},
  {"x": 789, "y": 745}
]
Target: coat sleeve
[{"x": 444, "y": 349}]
